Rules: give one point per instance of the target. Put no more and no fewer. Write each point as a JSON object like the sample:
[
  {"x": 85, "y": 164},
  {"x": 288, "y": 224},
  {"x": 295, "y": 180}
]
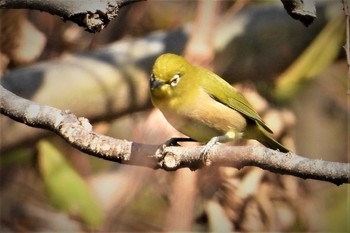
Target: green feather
[{"x": 226, "y": 94}]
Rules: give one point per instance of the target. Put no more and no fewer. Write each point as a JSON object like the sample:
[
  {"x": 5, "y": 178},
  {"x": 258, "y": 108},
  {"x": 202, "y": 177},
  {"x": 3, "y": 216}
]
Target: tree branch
[
  {"x": 90, "y": 14},
  {"x": 304, "y": 11},
  {"x": 78, "y": 132}
]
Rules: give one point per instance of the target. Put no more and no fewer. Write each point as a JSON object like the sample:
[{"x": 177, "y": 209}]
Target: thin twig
[{"x": 347, "y": 42}]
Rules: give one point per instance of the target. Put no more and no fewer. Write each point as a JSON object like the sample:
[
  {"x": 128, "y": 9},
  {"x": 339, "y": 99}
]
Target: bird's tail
[{"x": 266, "y": 139}]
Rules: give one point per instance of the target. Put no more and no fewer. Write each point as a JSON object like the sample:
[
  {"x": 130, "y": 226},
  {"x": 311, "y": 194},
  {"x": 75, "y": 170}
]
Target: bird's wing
[{"x": 229, "y": 96}]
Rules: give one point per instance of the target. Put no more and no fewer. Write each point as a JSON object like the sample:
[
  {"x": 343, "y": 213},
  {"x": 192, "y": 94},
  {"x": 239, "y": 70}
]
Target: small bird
[{"x": 203, "y": 106}]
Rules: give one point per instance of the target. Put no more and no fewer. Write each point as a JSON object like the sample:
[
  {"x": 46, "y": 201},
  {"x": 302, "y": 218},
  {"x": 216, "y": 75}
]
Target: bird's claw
[
  {"x": 204, "y": 152},
  {"x": 170, "y": 142},
  {"x": 204, "y": 156},
  {"x": 159, "y": 151}
]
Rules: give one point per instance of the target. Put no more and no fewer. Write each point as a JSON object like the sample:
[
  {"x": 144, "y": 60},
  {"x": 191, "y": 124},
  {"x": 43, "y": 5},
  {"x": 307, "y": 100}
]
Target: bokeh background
[{"x": 295, "y": 76}]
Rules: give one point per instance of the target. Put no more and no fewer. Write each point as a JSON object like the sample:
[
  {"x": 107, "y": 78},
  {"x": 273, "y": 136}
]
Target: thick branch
[
  {"x": 78, "y": 132},
  {"x": 90, "y": 14}
]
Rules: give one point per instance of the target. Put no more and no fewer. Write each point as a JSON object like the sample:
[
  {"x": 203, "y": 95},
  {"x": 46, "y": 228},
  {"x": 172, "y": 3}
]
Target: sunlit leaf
[{"x": 66, "y": 190}]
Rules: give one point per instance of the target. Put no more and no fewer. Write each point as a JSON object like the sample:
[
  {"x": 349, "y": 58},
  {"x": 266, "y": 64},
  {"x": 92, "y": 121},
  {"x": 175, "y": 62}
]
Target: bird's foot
[
  {"x": 174, "y": 141},
  {"x": 171, "y": 142},
  {"x": 204, "y": 152},
  {"x": 223, "y": 138}
]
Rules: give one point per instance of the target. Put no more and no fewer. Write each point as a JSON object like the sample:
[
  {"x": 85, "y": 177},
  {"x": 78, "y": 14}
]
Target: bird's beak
[{"x": 155, "y": 83}]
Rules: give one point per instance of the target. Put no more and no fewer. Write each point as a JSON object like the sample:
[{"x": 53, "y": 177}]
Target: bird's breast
[{"x": 201, "y": 117}]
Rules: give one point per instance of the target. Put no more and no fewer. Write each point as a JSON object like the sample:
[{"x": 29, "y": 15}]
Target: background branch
[
  {"x": 90, "y": 14},
  {"x": 346, "y": 6},
  {"x": 78, "y": 132},
  {"x": 304, "y": 11}
]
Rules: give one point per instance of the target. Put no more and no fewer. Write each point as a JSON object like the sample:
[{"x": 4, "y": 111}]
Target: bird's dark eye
[{"x": 175, "y": 80}]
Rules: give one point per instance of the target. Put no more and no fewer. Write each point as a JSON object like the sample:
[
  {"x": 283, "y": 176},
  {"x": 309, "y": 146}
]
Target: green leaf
[
  {"x": 66, "y": 190},
  {"x": 314, "y": 60}
]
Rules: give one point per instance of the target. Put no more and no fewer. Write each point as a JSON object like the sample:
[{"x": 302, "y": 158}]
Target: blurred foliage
[
  {"x": 338, "y": 205},
  {"x": 66, "y": 189},
  {"x": 140, "y": 209},
  {"x": 315, "y": 59},
  {"x": 249, "y": 199},
  {"x": 15, "y": 157}
]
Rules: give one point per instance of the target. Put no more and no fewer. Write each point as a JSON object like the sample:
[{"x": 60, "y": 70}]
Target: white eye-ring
[{"x": 175, "y": 80}]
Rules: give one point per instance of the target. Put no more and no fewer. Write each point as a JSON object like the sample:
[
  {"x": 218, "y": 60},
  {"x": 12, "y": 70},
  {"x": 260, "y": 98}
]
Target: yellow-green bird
[{"x": 203, "y": 106}]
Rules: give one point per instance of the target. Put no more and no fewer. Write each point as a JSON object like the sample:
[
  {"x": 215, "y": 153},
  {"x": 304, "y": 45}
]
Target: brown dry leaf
[{"x": 257, "y": 200}]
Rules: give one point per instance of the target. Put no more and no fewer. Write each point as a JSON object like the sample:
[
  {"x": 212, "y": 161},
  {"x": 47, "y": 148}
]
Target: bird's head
[{"x": 168, "y": 77}]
